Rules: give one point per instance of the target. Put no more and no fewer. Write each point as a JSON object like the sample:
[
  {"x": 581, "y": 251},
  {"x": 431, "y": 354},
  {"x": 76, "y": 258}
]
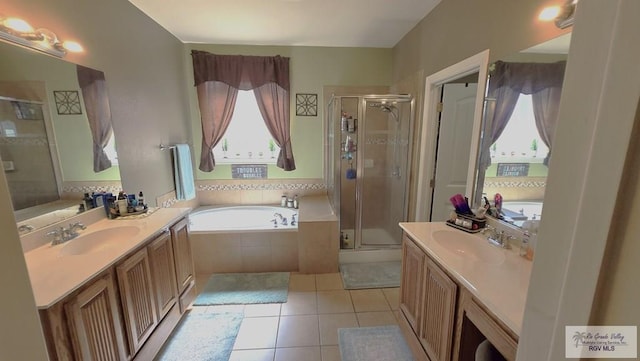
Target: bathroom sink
[
  {"x": 466, "y": 245},
  {"x": 97, "y": 241}
]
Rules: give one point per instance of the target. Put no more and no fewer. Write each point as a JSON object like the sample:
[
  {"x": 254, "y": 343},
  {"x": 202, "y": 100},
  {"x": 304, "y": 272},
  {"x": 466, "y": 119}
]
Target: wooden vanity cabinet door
[
  {"x": 163, "y": 273},
  {"x": 413, "y": 261},
  {"x": 137, "y": 297},
  {"x": 438, "y": 313},
  {"x": 94, "y": 322},
  {"x": 183, "y": 257}
]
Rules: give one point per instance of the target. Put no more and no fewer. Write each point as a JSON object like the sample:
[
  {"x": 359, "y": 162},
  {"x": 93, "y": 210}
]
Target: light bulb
[
  {"x": 73, "y": 46},
  {"x": 18, "y": 25},
  {"x": 549, "y": 13}
]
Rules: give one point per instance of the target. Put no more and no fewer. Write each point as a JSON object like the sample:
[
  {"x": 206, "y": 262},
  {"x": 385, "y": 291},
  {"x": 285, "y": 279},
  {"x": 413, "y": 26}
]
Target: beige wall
[
  {"x": 616, "y": 300},
  {"x": 144, "y": 65},
  {"x": 457, "y": 29}
]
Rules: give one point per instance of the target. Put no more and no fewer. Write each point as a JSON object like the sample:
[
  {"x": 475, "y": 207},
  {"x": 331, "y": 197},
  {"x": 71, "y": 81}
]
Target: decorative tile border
[
  {"x": 211, "y": 187},
  {"x": 515, "y": 184},
  {"x": 113, "y": 187}
]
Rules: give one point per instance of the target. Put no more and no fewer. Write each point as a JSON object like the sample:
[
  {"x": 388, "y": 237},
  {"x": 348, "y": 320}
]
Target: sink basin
[
  {"x": 97, "y": 241},
  {"x": 469, "y": 246}
]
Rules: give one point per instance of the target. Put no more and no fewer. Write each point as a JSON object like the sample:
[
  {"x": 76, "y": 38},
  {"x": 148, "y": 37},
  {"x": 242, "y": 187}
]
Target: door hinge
[{"x": 439, "y": 107}]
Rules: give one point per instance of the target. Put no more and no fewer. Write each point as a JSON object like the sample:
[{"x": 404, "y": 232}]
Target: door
[{"x": 452, "y": 155}]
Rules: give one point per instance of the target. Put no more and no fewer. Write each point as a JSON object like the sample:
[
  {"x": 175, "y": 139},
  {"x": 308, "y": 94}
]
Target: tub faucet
[{"x": 280, "y": 218}]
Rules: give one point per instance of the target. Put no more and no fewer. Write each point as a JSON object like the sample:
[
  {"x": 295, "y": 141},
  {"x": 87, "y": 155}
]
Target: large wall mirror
[
  {"x": 519, "y": 119},
  {"x": 46, "y": 141}
]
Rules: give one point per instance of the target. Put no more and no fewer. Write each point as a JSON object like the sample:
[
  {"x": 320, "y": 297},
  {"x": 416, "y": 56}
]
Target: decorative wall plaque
[
  {"x": 67, "y": 102},
  {"x": 306, "y": 105}
]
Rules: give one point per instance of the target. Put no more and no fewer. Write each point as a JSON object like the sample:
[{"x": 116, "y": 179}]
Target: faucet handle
[{"x": 56, "y": 234}]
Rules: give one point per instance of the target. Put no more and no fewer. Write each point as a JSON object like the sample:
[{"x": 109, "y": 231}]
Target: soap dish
[{"x": 467, "y": 223}]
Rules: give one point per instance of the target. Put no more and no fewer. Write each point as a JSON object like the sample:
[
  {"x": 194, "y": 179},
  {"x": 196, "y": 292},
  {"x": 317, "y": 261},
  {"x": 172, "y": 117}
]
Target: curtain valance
[
  {"x": 240, "y": 71},
  {"x": 527, "y": 78}
]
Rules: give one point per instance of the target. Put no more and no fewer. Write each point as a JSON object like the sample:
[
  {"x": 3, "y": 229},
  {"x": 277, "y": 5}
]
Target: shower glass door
[{"x": 382, "y": 167}]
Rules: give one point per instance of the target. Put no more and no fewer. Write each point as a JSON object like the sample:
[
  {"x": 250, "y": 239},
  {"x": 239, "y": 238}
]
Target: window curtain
[
  {"x": 544, "y": 82},
  {"x": 96, "y": 103},
  {"x": 507, "y": 81},
  {"x": 268, "y": 77}
]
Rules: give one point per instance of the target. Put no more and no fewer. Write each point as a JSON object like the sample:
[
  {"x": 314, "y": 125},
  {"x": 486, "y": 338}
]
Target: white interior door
[{"x": 454, "y": 138}]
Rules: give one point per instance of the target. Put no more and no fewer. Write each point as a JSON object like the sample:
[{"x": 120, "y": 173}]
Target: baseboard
[{"x": 160, "y": 335}]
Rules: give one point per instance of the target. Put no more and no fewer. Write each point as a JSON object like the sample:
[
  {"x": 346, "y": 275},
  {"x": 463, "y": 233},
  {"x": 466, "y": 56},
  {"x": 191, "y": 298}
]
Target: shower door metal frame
[{"x": 362, "y": 110}]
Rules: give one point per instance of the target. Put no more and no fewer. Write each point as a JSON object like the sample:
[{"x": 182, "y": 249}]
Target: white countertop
[
  {"x": 54, "y": 276},
  {"x": 502, "y": 287}
]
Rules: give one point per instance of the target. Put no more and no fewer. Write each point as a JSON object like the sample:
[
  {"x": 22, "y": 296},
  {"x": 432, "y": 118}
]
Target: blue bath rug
[
  {"x": 202, "y": 336},
  {"x": 370, "y": 275},
  {"x": 244, "y": 288},
  {"x": 384, "y": 343}
]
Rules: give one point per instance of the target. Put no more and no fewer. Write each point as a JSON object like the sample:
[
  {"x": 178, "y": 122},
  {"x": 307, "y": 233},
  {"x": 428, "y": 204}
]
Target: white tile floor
[{"x": 306, "y": 327}]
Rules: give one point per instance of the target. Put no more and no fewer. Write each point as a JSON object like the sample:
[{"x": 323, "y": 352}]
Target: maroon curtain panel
[
  {"x": 269, "y": 79},
  {"x": 96, "y": 103}
]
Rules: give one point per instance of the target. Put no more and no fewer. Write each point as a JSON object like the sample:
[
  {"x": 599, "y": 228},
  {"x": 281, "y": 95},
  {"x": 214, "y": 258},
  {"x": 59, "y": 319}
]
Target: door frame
[{"x": 428, "y": 138}]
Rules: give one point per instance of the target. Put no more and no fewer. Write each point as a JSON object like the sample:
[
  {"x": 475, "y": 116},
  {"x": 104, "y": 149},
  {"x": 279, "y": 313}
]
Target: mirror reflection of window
[{"x": 517, "y": 169}]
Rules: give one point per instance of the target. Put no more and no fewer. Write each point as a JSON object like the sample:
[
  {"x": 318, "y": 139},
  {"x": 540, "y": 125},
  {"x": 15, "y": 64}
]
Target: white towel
[{"x": 183, "y": 172}]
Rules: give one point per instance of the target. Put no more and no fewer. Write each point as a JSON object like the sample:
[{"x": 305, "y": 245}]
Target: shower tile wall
[{"x": 26, "y": 156}]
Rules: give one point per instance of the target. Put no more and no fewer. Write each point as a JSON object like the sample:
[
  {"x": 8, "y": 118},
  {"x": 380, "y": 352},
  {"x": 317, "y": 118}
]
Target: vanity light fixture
[
  {"x": 562, "y": 15},
  {"x": 18, "y": 31}
]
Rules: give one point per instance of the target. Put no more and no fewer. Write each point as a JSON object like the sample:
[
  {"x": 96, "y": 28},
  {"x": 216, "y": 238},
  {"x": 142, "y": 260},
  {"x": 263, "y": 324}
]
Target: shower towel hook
[{"x": 165, "y": 147}]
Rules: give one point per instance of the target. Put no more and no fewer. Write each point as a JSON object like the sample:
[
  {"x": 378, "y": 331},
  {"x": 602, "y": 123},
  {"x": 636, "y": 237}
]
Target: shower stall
[{"x": 368, "y": 150}]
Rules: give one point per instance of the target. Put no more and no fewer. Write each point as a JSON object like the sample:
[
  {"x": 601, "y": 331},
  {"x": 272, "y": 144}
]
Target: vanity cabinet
[
  {"x": 93, "y": 324},
  {"x": 440, "y": 318},
  {"x": 183, "y": 263},
  {"x": 438, "y": 312},
  {"x": 162, "y": 263},
  {"x": 129, "y": 310},
  {"x": 411, "y": 287},
  {"x": 427, "y": 302},
  {"x": 137, "y": 297}
]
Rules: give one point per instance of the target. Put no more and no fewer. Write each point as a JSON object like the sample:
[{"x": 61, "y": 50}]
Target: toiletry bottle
[
  {"x": 140, "y": 199},
  {"x": 87, "y": 201},
  {"x": 283, "y": 201},
  {"x": 289, "y": 203},
  {"x": 524, "y": 245},
  {"x": 295, "y": 201}
]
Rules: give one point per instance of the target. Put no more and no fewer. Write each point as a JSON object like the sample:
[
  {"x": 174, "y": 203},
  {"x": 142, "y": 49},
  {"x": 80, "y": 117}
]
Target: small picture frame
[
  {"x": 306, "y": 104},
  {"x": 67, "y": 102}
]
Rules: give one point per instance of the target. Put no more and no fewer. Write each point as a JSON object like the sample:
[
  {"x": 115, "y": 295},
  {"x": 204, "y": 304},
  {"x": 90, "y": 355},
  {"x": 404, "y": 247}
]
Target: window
[
  {"x": 110, "y": 150},
  {"x": 520, "y": 140},
  {"x": 247, "y": 139}
]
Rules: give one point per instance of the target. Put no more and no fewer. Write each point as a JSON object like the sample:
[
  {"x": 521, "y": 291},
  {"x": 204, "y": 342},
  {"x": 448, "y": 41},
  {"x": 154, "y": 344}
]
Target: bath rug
[
  {"x": 384, "y": 343},
  {"x": 370, "y": 275},
  {"x": 244, "y": 288},
  {"x": 202, "y": 336}
]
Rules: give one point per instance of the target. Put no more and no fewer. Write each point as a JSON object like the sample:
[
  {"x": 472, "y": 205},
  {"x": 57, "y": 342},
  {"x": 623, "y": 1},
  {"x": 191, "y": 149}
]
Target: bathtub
[
  {"x": 243, "y": 239},
  {"x": 241, "y": 218}
]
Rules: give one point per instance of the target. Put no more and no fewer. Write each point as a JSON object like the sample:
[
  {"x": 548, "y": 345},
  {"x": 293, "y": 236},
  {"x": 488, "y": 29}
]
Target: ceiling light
[{"x": 18, "y": 31}]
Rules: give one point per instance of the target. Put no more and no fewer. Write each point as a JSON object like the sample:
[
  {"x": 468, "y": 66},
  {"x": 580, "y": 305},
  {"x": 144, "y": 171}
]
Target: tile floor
[{"x": 306, "y": 327}]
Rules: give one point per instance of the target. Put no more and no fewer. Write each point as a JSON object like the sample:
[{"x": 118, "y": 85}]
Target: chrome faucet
[
  {"x": 498, "y": 238},
  {"x": 25, "y": 228},
  {"x": 280, "y": 218},
  {"x": 62, "y": 234}
]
